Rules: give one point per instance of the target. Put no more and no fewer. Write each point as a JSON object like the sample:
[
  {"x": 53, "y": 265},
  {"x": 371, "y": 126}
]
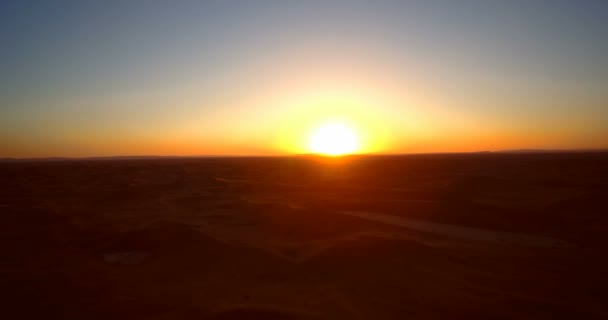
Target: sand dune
[
  {"x": 283, "y": 239},
  {"x": 461, "y": 232}
]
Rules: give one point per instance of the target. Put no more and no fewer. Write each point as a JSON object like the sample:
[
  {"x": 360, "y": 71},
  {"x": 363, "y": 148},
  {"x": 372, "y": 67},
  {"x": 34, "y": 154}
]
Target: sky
[{"x": 108, "y": 78}]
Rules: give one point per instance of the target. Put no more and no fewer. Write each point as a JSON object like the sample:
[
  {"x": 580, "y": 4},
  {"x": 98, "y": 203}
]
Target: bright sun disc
[{"x": 334, "y": 139}]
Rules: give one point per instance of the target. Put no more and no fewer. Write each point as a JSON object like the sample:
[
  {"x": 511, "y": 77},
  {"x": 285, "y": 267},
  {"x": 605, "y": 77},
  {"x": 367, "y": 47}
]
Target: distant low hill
[{"x": 551, "y": 150}]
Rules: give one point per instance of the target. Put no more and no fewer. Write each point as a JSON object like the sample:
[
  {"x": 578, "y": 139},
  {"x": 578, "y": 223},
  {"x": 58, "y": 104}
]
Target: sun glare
[{"x": 334, "y": 139}]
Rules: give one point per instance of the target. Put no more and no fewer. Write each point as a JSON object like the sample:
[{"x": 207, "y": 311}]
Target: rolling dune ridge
[{"x": 391, "y": 237}]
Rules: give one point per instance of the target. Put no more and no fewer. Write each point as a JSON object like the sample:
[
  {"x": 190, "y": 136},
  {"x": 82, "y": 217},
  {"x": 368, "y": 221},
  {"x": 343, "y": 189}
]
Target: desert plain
[{"x": 444, "y": 236}]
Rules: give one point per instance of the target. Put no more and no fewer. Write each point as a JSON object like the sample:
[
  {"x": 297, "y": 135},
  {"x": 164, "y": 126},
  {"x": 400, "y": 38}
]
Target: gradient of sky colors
[{"x": 101, "y": 78}]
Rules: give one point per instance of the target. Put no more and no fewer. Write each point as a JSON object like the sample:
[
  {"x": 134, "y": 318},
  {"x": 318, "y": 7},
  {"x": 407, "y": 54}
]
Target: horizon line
[{"x": 135, "y": 157}]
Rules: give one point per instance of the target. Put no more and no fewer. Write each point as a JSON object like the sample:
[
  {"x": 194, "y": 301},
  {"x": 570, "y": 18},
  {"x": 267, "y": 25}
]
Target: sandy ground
[
  {"x": 461, "y": 232},
  {"x": 435, "y": 237}
]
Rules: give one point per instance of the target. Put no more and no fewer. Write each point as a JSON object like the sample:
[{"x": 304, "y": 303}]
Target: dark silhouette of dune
[
  {"x": 261, "y": 313},
  {"x": 376, "y": 237}
]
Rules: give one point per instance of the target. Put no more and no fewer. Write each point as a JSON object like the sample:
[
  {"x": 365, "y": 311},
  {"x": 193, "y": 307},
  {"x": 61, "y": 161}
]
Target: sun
[{"x": 334, "y": 139}]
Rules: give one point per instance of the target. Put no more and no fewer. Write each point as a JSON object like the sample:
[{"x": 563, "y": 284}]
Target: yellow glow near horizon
[
  {"x": 334, "y": 122},
  {"x": 334, "y": 139}
]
